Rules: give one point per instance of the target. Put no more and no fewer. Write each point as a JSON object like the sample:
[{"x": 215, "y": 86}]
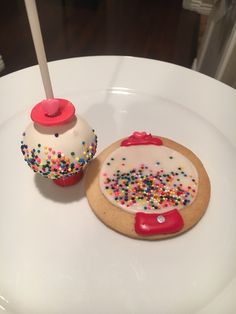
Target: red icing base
[
  {"x": 68, "y": 181},
  {"x": 152, "y": 224}
]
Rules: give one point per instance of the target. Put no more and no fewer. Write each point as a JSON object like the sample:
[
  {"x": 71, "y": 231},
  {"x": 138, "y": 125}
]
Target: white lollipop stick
[{"x": 39, "y": 47}]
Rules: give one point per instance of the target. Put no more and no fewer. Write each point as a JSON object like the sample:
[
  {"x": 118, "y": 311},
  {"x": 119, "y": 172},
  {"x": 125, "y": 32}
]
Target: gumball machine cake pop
[{"x": 59, "y": 143}]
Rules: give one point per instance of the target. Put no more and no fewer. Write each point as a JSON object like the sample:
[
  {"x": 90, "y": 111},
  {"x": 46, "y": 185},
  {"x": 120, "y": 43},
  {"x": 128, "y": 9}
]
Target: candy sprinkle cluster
[
  {"x": 151, "y": 190},
  {"x": 53, "y": 164}
]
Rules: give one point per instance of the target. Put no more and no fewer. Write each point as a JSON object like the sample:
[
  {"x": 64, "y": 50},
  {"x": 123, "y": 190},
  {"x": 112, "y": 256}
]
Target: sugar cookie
[{"x": 148, "y": 187}]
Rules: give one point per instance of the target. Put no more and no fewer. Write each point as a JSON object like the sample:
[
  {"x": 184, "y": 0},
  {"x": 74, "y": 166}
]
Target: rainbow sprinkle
[
  {"x": 152, "y": 190},
  {"x": 54, "y": 164}
]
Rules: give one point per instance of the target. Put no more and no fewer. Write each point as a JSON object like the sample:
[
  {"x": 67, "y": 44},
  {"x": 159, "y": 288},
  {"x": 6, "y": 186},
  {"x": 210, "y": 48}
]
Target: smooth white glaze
[{"x": 157, "y": 159}]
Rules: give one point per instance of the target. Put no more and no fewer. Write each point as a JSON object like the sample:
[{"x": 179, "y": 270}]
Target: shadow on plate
[{"x": 59, "y": 194}]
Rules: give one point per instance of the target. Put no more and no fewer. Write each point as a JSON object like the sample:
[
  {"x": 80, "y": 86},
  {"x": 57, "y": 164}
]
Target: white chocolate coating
[{"x": 60, "y": 150}]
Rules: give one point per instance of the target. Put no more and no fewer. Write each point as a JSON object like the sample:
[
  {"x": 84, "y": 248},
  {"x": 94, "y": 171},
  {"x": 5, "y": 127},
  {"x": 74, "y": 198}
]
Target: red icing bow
[{"x": 141, "y": 138}]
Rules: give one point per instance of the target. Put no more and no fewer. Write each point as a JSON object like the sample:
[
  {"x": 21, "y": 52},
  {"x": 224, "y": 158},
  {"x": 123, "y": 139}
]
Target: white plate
[{"x": 57, "y": 257}]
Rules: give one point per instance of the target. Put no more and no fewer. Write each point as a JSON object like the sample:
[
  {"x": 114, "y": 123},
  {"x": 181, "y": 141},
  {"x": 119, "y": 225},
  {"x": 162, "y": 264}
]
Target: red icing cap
[
  {"x": 141, "y": 138},
  {"x": 53, "y": 111}
]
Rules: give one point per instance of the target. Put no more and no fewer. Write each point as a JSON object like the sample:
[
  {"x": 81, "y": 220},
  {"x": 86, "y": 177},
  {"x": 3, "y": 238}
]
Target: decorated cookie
[
  {"x": 148, "y": 187},
  {"x": 58, "y": 143}
]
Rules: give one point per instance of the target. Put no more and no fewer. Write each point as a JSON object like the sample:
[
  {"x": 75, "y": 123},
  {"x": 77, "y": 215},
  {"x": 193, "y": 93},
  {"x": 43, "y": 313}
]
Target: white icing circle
[{"x": 148, "y": 178}]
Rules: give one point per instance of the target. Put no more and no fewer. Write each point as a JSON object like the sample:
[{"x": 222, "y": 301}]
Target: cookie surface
[{"x": 147, "y": 190}]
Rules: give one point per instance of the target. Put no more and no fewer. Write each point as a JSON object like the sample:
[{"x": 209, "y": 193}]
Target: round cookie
[{"x": 148, "y": 187}]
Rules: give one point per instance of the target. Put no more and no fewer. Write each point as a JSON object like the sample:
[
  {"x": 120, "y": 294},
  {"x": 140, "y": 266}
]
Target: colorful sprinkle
[
  {"x": 53, "y": 164},
  {"x": 152, "y": 190}
]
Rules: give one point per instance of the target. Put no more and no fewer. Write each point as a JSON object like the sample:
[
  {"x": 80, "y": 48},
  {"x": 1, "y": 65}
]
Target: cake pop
[{"x": 59, "y": 143}]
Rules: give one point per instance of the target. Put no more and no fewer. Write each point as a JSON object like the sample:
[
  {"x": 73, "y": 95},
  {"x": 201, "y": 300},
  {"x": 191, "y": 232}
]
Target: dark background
[{"x": 158, "y": 29}]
